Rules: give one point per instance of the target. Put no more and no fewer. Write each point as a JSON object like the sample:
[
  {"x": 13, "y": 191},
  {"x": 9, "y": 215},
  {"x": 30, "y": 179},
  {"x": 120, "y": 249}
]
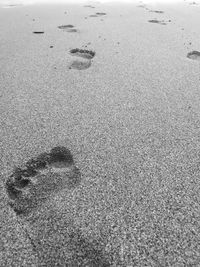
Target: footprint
[
  {"x": 12, "y": 5},
  {"x": 143, "y": 6},
  {"x": 28, "y": 187},
  {"x": 195, "y": 55},
  {"x": 89, "y": 6},
  {"x": 84, "y": 62},
  {"x": 100, "y": 13},
  {"x": 63, "y": 27},
  {"x": 68, "y": 28},
  {"x": 93, "y": 16},
  {"x": 38, "y": 32},
  {"x": 157, "y": 11},
  {"x": 55, "y": 237},
  {"x": 157, "y": 21}
]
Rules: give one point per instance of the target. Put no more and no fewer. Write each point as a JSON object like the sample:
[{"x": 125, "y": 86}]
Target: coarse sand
[{"x": 122, "y": 94}]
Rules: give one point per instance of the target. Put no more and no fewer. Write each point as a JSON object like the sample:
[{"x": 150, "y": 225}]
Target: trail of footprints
[
  {"x": 31, "y": 185},
  {"x": 193, "y": 55},
  {"x": 83, "y": 58}
]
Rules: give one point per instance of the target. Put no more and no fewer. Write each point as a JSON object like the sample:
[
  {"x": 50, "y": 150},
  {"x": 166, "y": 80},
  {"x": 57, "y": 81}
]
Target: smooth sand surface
[{"x": 131, "y": 118}]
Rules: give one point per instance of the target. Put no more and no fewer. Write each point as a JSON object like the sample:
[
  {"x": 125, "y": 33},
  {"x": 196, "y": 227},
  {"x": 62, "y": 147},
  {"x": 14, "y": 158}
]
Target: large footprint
[
  {"x": 84, "y": 58},
  {"x": 54, "y": 237},
  {"x": 29, "y": 187}
]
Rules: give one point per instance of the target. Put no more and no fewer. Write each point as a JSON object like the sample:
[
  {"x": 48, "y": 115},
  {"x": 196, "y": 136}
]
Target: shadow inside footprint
[
  {"x": 60, "y": 157},
  {"x": 80, "y": 65},
  {"x": 88, "y": 54},
  {"x": 12, "y": 191},
  {"x": 157, "y": 21},
  {"x": 195, "y": 55}
]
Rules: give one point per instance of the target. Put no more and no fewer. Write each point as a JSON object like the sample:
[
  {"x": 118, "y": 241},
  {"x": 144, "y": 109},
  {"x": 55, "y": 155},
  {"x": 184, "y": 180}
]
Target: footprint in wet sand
[
  {"x": 195, "y": 55},
  {"x": 68, "y": 28},
  {"x": 84, "y": 61},
  {"x": 162, "y": 22},
  {"x": 28, "y": 187}
]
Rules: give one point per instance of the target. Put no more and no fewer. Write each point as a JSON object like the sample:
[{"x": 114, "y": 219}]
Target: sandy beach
[{"x": 119, "y": 85}]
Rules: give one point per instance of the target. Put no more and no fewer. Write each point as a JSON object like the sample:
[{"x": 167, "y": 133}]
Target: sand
[{"x": 130, "y": 116}]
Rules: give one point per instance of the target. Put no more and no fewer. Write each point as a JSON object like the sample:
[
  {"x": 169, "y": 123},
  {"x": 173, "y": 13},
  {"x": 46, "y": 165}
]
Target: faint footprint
[
  {"x": 84, "y": 62},
  {"x": 12, "y": 5},
  {"x": 157, "y": 11},
  {"x": 30, "y": 186},
  {"x": 193, "y": 3},
  {"x": 143, "y": 6},
  {"x": 68, "y": 28},
  {"x": 89, "y": 6},
  {"x": 195, "y": 55},
  {"x": 157, "y": 21},
  {"x": 93, "y": 16},
  {"x": 98, "y": 14}
]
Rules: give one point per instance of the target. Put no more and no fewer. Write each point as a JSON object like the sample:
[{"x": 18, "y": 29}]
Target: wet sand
[{"x": 130, "y": 116}]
